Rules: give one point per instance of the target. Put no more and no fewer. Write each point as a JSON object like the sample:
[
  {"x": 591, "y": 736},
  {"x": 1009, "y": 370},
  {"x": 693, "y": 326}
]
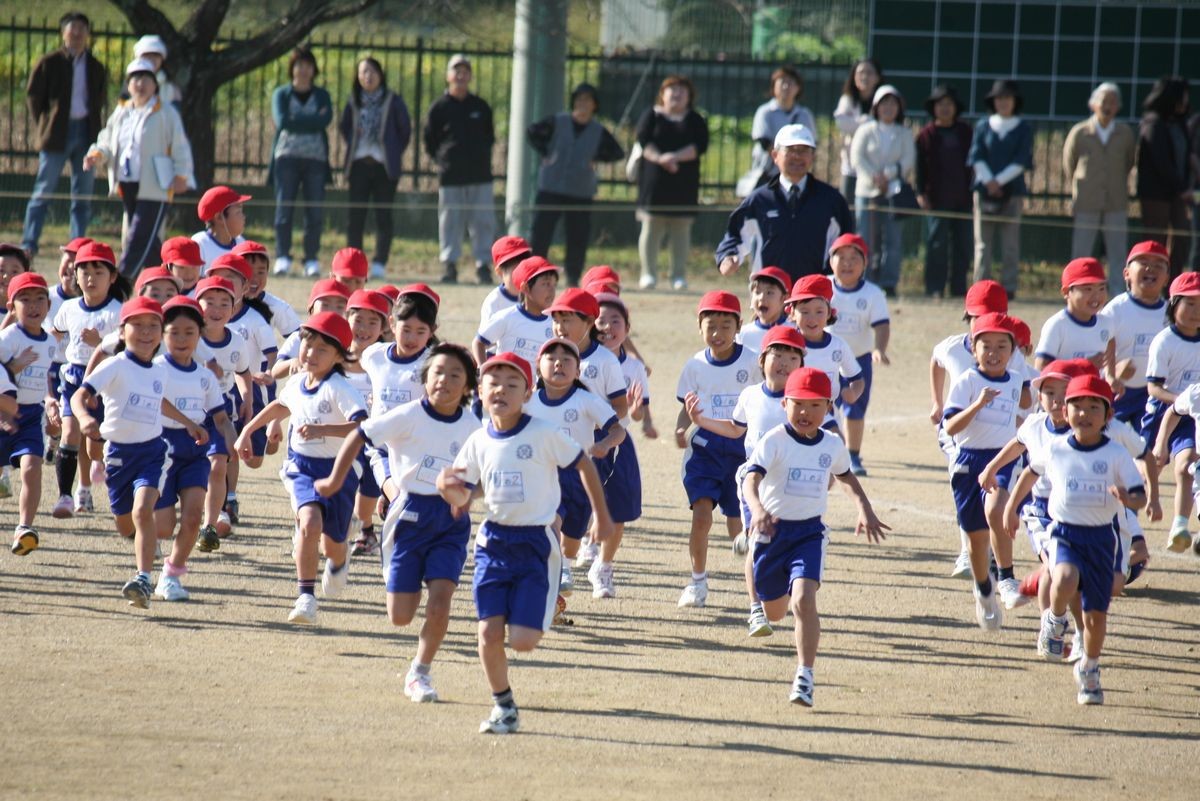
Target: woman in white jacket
[
  {"x": 882, "y": 154},
  {"x": 149, "y": 160}
]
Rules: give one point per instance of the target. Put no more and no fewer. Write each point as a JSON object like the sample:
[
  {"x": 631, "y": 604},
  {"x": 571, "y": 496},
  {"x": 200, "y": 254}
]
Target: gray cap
[{"x": 456, "y": 60}]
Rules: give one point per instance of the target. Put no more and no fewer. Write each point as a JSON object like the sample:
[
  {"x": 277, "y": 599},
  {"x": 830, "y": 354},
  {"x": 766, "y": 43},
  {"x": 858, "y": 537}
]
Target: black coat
[{"x": 48, "y": 95}]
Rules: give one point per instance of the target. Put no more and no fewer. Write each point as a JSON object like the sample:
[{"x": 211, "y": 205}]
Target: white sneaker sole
[{"x": 1179, "y": 542}]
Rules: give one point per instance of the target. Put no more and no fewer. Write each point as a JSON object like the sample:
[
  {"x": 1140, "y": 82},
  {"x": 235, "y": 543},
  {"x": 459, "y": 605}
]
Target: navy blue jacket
[{"x": 795, "y": 241}]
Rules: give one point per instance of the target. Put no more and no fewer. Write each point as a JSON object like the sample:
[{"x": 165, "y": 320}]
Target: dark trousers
[
  {"x": 1167, "y": 222},
  {"x": 949, "y": 245},
  {"x": 369, "y": 183},
  {"x": 578, "y": 224},
  {"x": 144, "y": 219},
  {"x": 290, "y": 174}
]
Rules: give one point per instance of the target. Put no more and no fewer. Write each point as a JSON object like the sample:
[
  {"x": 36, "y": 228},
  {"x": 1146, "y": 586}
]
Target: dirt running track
[{"x": 220, "y": 698}]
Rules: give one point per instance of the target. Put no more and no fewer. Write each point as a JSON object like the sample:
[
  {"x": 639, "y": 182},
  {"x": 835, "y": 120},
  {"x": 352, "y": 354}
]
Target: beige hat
[{"x": 456, "y": 60}]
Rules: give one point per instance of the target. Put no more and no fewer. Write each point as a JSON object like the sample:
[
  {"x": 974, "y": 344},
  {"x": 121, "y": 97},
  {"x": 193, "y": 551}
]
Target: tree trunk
[{"x": 199, "y": 116}]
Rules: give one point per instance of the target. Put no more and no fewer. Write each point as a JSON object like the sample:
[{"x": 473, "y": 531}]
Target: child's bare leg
[
  {"x": 978, "y": 542},
  {"x": 1044, "y": 589},
  {"x": 1002, "y": 544},
  {"x": 854, "y": 434},
  {"x": 570, "y": 546},
  {"x": 1183, "y": 482},
  {"x": 191, "y": 504},
  {"x": 733, "y": 526},
  {"x": 775, "y": 609},
  {"x": 748, "y": 571},
  {"x": 215, "y": 498},
  {"x": 1095, "y": 627},
  {"x": 702, "y": 514},
  {"x": 31, "y": 488},
  {"x": 1064, "y": 584},
  {"x": 364, "y": 508},
  {"x": 808, "y": 623},
  {"x": 164, "y": 522},
  {"x": 437, "y": 620},
  {"x": 309, "y": 522},
  {"x": 402, "y": 607},
  {"x": 608, "y": 548},
  {"x": 491, "y": 653},
  {"x": 145, "y": 537},
  {"x": 336, "y": 552}
]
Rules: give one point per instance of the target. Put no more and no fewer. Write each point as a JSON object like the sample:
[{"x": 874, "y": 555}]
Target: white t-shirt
[
  {"x": 496, "y": 301},
  {"x": 75, "y": 316},
  {"x": 395, "y": 379},
  {"x": 362, "y": 384},
  {"x": 635, "y": 373},
  {"x": 1188, "y": 402},
  {"x": 1036, "y": 434},
  {"x": 57, "y": 299},
  {"x": 1064, "y": 337},
  {"x": 752, "y": 333},
  {"x": 1080, "y": 478},
  {"x": 996, "y": 423},
  {"x": 283, "y": 317},
  {"x": 518, "y": 470},
  {"x": 193, "y": 390},
  {"x": 132, "y": 391},
  {"x": 258, "y": 334},
  {"x": 211, "y": 249},
  {"x": 1174, "y": 360},
  {"x": 758, "y": 410},
  {"x": 796, "y": 471},
  {"x": 600, "y": 372},
  {"x": 954, "y": 356},
  {"x": 1134, "y": 326},
  {"x": 578, "y": 414},
  {"x": 32, "y": 383},
  {"x": 7, "y": 387},
  {"x": 719, "y": 383},
  {"x": 231, "y": 354},
  {"x": 290, "y": 348},
  {"x": 517, "y": 330},
  {"x": 834, "y": 357},
  {"x": 419, "y": 442},
  {"x": 331, "y": 402},
  {"x": 859, "y": 310}
]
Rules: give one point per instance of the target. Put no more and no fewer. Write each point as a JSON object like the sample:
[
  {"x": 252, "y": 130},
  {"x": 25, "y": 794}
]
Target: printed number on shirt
[
  {"x": 508, "y": 486},
  {"x": 430, "y": 467},
  {"x": 141, "y": 408},
  {"x": 999, "y": 411},
  {"x": 1088, "y": 492},
  {"x": 805, "y": 482},
  {"x": 722, "y": 406}
]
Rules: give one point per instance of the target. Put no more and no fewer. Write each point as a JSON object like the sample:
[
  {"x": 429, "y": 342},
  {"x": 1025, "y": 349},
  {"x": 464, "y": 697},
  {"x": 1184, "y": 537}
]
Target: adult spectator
[
  {"x": 943, "y": 186},
  {"x": 1097, "y": 158},
  {"x": 1164, "y": 180},
  {"x": 569, "y": 144},
  {"x": 300, "y": 159},
  {"x": 1001, "y": 153},
  {"x": 376, "y": 129},
  {"x": 66, "y": 93},
  {"x": 790, "y": 222},
  {"x": 673, "y": 137},
  {"x": 882, "y": 154},
  {"x": 459, "y": 136},
  {"x": 787, "y": 87},
  {"x": 854, "y": 109},
  {"x": 149, "y": 161}
]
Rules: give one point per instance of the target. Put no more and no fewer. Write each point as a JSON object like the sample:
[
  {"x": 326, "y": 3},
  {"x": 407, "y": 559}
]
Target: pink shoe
[{"x": 97, "y": 473}]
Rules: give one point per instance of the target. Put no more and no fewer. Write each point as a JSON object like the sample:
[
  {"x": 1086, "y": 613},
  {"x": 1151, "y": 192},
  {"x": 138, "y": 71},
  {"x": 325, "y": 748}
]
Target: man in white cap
[
  {"x": 459, "y": 136},
  {"x": 790, "y": 221}
]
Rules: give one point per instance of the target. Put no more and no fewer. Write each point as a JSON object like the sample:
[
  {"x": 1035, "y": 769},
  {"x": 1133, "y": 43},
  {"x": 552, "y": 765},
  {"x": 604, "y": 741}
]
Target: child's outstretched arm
[
  {"x": 681, "y": 427},
  {"x": 1016, "y": 494},
  {"x": 868, "y": 523},
  {"x": 761, "y": 522},
  {"x": 724, "y": 428},
  {"x": 937, "y": 389},
  {"x": 1162, "y": 446},
  {"x": 273, "y": 411},
  {"x": 853, "y": 390},
  {"x": 1007, "y": 455},
  {"x": 963, "y": 419},
  {"x": 883, "y": 335},
  {"x": 349, "y": 451},
  {"x": 1149, "y": 471},
  {"x": 1134, "y": 500},
  {"x": 198, "y": 433}
]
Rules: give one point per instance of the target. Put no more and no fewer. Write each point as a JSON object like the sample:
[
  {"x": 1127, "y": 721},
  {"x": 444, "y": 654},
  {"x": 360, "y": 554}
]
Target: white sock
[{"x": 699, "y": 577}]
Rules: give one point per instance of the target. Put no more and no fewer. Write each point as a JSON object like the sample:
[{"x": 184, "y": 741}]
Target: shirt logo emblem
[
  {"x": 525, "y": 452},
  {"x": 590, "y": 371},
  {"x": 826, "y": 460},
  {"x": 324, "y": 407},
  {"x": 157, "y": 386},
  {"x": 1099, "y": 467},
  {"x": 743, "y": 376},
  {"x": 455, "y": 447},
  {"x": 862, "y": 303},
  {"x": 571, "y": 415}
]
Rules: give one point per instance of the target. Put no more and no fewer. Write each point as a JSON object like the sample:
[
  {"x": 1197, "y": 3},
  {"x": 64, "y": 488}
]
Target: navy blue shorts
[
  {"x": 187, "y": 466},
  {"x": 858, "y": 409},
  {"x": 621, "y": 476},
  {"x": 299, "y": 472},
  {"x": 1130, "y": 407},
  {"x": 131, "y": 466},
  {"x": 216, "y": 440},
  {"x": 367, "y": 486},
  {"x": 258, "y": 440},
  {"x": 573, "y": 507},
  {"x": 964, "y": 483},
  {"x": 72, "y": 380},
  {"x": 797, "y": 551},
  {"x": 1182, "y": 438},
  {"x": 27, "y": 439},
  {"x": 1093, "y": 551},
  {"x": 422, "y": 541},
  {"x": 517, "y": 569},
  {"x": 710, "y": 466}
]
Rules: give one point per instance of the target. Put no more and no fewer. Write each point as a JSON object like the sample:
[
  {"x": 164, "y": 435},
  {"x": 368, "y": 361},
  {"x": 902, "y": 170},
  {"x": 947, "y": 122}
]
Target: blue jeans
[
  {"x": 50, "y": 167},
  {"x": 290, "y": 174},
  {"x": 881, "y": 229}
]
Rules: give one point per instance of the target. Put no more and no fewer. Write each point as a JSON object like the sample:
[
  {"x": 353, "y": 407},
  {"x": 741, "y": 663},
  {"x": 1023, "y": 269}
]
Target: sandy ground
[{"x": 221, "y": 698}]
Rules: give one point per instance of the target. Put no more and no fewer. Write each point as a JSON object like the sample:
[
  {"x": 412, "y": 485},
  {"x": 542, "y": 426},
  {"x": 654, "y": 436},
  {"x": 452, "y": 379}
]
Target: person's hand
[
  {"x": 986, "y": 395},
  {"x": 880, "y": 357},
  {"x": 763, "y": 524},
  {"x": 1162, "y": 455},
  {"x": 681, "y": 438},
  {"x": 275, "y": 431},
  {"x": 987, "y": 480},
  {"x": 53, "y": 417},
  {"x": 180, "y": 184},
  {"x": 1011, "y": 523},
  {"x": 91, "y": 337},
  {"x": 309, "y": 431},
  {"x": 881, "y": 182},
  {"x": 1154, "y": 511},
  {"x": 198, "y": 433},
  {"x": 695, "y": 412},
  {"x": 22, "y": 360},
  {"x": 262, "y": 379},
  {"x": 648, "y": 430},
  {"x": 598, "y": 452},
  {"x": 90, "y": 160},
  {"x": 325, "y": 487},
  {"x": 669, "y": 162},
  {"x": 244, "y": 447},
  {"x": 995, "y": 188},
  {"x": 923, "y": 202},
  {"x": 936, "y": 414},
  {"x": 729, "y": 265},
  {"x": 89, "y": 427},
  {"x": 634, "y": 394},
  {"x": 871, "y": 525}
]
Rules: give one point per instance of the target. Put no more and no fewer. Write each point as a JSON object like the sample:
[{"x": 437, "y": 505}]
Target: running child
[
  {"x": 1137, "y": 315},
  {"x": 350, "y": 267},
  {"x": 769, "y": 289},
  {"x": 181, "y": 257},
  {"x": 425, "y": 542},
  {"x": 787, "y": 488},
  {"x": 512, "y": 464},
  {"x": 367, "y": 313},
  {"x": 223, "y": 213},
  {"x": 1081, "y": 330},
  {"x": 811, "y": 311},
  {"x": 716, "y": 375},
  {"x": 326, "y": 295},
  {"x": 574, "y": 313},
  {"x": 507, "y": 253},
  {"x": 523, "y": 328}
]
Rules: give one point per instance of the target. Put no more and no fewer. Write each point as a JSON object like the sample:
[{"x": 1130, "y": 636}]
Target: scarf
[{"x": 370, "y": 115}]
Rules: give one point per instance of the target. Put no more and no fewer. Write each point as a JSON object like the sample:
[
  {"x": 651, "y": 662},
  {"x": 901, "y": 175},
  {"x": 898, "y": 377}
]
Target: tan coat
[{"x": 1099, "y": 174}]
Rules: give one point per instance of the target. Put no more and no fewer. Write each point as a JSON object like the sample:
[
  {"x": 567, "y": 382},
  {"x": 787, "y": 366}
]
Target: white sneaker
[
  {"x": 224, "y": 525},
  {"x": 695, "y": 594},
  {"x": 1050, "y": 639},
  {"x": 304, "y": 611},
  {"x": 170, "y": 589},
  {"x": 802, "y": 689},
  {"x": 283, "y": 265},
  {"x": 1074, "y": 651},
  {"x": 588, "y": 552},
  {"x": 679, "y": 284},
  {"x": 6, "y": 483},
  {"x": 83, "y": 499},
  {"x": 378, "y": 270},
  {"x": 566, "y": 582},
  {"x": 962, "y": 566},
  {"x": 64, "y": 508},
  {"x": 601, "y": 576},
  {"x": 1178, "y": 540},
  {"x": 741, "y": 544},
  {"x": 332, "y": 583},
  {"x": 501, "y": 721},
  {"x": 647, "y": 282},
  {"x": 988, "y": 612},
  {"x": 419, "y": 688},
  {"x": 312, "y": 268},
  {"x": 1088, "y": 682},
  {"x": 758, "y": 625},
  {"x": 1010, "y": 594}
]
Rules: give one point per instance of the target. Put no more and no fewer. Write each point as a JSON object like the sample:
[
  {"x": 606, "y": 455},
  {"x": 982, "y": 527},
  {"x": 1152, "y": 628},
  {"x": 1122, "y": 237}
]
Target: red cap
[
  {"x": 575, "y": 300},
  {"x": 1021, "y": 332},
  {"x": 508, "y": 359},
  {"x": 808, "y": 383},
  {"x": 390, "y": 291},
  {"x": 132, "y": 308},
  {"x": 333, "y": 326},
  {"x": 75, "y": 244},
  {"x": 1085, "y": 270},
  {"x": 182, "y": 302},
  {"x": 601, "y": 288},
  {"x": 992, "y": 323},
  {"x": 719, "y": 301},
  {"x": 530, "y": 269},
  {"x": 234, "y": 263},
  {"x": 1187, "y": 284},
  {"x": 350, "y": 262},
  {"x": 1078, "y": 367},
  {"x": 95, "y": 251},
  {"x": 566, "y": 343},
  {"x": 507, "y": 248},
  {"x": 214, "y": 282},
  {"x": 775, "y": 274},
  {"x": 216, "y": 200},
  {"x": 250, "y": 248},
  {"x": 811, "y": 286},
  {"x": 181, "y": 250},
  {"x": 1090, "y": 386},
  {"x": 23, "y": 281},
  {"x": 1148, "y": 248},
  {"x": 849, "y": 240},
  {"x": 154, "y": 274},
  {"x": 785, "y": 335},
  {"x": 1058, "y": 369},
  {"x": 370, "y": 300},
  {"x": 327, "y": 288},
  {"x": 602, "y": 272},
  {"x": 420, "y": 289},
  {"x": 612, "y": 298},
  {"x": 986, "y": 296}
]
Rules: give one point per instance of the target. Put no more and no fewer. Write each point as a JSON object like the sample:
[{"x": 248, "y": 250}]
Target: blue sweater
[
  {"x": 997, "y": 153},
  {"x": 795, "y": 241}
]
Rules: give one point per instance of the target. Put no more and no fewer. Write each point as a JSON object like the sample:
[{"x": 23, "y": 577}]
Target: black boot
[
  {"x": 449, "y": 273},
  {"x": 483, "y": 273}
]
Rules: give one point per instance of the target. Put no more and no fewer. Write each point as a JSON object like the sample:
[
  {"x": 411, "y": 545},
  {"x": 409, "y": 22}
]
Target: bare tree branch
[
  {"x": 144, "y": 17},
  {"x": 202, "y": 27}
]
